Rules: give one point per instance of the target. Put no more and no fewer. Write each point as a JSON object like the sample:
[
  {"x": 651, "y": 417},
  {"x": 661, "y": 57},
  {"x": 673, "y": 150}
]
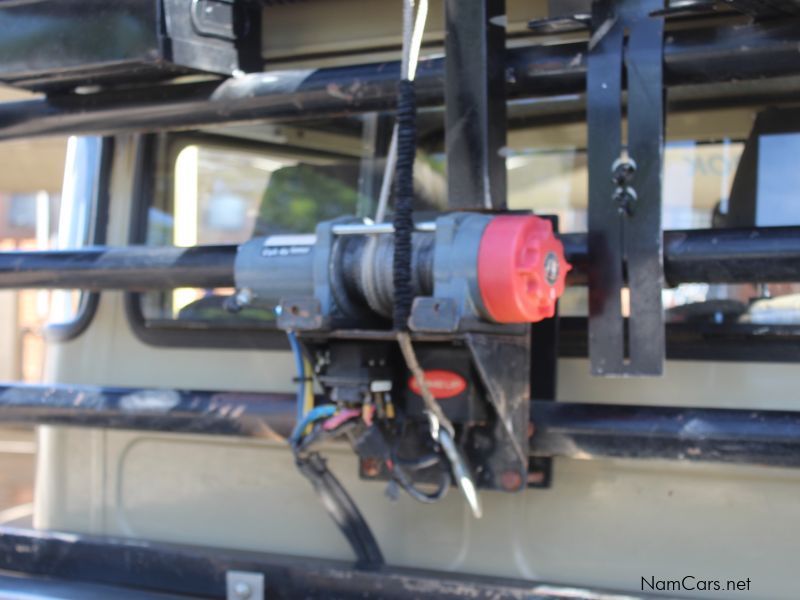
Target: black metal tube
[
  {"x": 694, "y": 56},
  {"x": 732, "y": 255},
  {"x": 54, "y": 562},
  {"x": 761, "y": 255},
  {"x": 591, "y": 431},
  {"x": 570, "y": 430},
  {"x": 135, "y": 268},
  {"x": 758, "y": 255},
  {"x": 263, "y": 415}
]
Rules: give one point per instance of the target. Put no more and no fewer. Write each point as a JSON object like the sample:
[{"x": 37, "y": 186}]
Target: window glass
[
  {"x": 224, "y": 194},
  {"x": 37, "y": 212},
  {"x": 221, "y": 194},
  {"x": 696, "y": 183},
  {"x": 30, "y": 216},
  {"x": 778, "y": 180},
  {"x": 696, "y": 188}
]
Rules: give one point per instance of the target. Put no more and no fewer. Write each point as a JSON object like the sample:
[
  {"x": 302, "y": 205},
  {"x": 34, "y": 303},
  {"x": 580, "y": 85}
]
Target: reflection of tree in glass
[{"x": 299, "y": 197}]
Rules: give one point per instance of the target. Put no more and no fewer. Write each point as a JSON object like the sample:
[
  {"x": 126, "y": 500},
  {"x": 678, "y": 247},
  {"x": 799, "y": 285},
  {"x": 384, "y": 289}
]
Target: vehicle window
[
  {"x": 778, "y": 180},
  {"x": 224, "y": 194},
  {"x": 32, "y": 215},
  {"x": 48, "y": 200},
  {"x": 696, "y": 192},
  {"x": 221, "y": 194}
]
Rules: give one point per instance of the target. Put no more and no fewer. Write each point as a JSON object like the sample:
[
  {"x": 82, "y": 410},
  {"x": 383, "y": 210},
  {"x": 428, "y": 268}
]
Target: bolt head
[
  {"x": 243, "y": 590},
  {"x": 370, "y": 467},
  {"x": 511, "y": 480},
  {"x": 244, "y": 296}
]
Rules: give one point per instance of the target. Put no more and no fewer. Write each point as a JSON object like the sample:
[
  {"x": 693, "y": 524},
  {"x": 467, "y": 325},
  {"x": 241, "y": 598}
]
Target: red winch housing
[{"x": 521, "y": 269}]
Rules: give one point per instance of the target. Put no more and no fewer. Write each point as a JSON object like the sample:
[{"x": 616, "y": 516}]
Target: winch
[
  {"x": 446, "y": 401},
  {"x": 469, "y": 271}
]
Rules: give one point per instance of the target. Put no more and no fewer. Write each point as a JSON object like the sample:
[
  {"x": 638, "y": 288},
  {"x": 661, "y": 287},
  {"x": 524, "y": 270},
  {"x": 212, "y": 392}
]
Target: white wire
[{"x": 412, "y": 42}]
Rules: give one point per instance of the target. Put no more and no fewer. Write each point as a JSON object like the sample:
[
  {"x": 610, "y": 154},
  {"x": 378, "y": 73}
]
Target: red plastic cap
[{"x": 521, "y": 269}]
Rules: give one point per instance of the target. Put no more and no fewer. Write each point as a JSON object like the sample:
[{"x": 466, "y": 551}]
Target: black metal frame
[
  {"x": 694, "y": 56},
  {"x": 200, "y": 572},
  {"x": 715, "y": 255},
  {"x": 766, "y": 438},
  {"x": 475, "y": 104}
]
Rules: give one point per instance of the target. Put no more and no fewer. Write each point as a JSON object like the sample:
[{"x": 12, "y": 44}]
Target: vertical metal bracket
[
  {"x": 625, "y": 238},
  {"x": 475, "y": 103},
  {"x": 503, "y": 363}
]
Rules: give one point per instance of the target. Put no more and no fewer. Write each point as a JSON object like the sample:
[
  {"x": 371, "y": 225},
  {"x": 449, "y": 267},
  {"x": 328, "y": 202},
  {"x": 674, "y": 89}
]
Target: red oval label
[{"x": 442, "y": 384}]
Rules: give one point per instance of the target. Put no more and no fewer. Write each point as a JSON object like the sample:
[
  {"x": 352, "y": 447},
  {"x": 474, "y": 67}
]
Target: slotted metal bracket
[{"x": 625, "y": 237}]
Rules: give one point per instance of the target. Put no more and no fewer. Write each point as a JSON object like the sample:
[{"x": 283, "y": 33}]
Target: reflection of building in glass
[{"x": 30, "y": 188}]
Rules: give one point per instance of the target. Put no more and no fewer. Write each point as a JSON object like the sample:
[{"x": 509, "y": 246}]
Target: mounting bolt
[
  {"x": 242, "y": 590},
  {"x": 622, "y": 171},
  {"x": 511, "y": 480},
  {"x": 370, "y": 467},
  {"x": 625, "y": 197},
  {"x": 244, "y": 585}
]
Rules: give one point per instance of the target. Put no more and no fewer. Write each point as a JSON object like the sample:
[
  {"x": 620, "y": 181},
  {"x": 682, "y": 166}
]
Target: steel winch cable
[
  {"x": 442, "y": 429},
  {"x": 404, "y": 198},
  {"x": 412, "y": 42}
]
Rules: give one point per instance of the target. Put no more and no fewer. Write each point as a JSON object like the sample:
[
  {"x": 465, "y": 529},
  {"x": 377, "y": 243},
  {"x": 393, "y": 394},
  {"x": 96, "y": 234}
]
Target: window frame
[
  {"x": 155, "y": 155},
  {"x": 61, "y": 332},
  {"x": 685, "y": 341}
]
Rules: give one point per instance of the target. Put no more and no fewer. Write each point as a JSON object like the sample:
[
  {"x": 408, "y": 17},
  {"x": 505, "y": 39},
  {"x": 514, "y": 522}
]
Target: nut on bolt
[
  {"x": 622, "y": 171},
  {"x": 625, "y": 197}
]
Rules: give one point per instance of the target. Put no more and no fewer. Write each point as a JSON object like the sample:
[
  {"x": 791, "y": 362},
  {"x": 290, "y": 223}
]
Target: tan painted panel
[
  {"x": 293, "y": 31},
  {"x": 30, "y": 165},
  {"x": 604, "y": 523}
]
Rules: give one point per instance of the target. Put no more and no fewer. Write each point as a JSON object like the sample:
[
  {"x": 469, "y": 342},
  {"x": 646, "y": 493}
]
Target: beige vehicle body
[{"x": 603, "y": 523}]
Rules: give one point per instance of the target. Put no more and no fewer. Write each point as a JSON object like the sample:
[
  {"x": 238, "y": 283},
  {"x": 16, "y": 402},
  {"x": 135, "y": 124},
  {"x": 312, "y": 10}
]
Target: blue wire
[
  {"x": 315, "y": 414},
  {"x": 301, "y": 373}
]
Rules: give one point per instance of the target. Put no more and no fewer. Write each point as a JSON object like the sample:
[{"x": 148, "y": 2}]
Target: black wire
[
  {"x": 403, "y": 203},
  {"x": 399, "y": 474},
  {"x": 404, "y": 481},
  {"x": 341, "y": 508},
  {"x": 417, "y": 464},
  {"x": 320, "y": 434}
]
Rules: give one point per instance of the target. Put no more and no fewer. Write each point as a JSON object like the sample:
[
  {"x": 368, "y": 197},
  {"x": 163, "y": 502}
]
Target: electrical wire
[
  {"x": 405, "y": 481},
  {"x": 441, "y": 428},
  {"x": 341, "y": 508},
  {"x": 300, "y": 364},
  {"x": 308, "y": 402},
  {"x": 315, "y": 414}
]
